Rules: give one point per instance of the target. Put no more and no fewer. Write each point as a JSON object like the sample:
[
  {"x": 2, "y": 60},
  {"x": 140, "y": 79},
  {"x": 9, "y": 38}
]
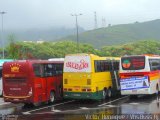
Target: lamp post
[
  {"x": 76, "y": 15},
  {"x": 2, "y": 13}
]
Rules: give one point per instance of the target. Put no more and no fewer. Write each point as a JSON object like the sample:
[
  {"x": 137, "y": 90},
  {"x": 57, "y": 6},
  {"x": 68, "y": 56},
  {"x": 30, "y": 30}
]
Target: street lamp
[
  {"x": 2, "y": 13},
  {"x": 76, "y": 15}
]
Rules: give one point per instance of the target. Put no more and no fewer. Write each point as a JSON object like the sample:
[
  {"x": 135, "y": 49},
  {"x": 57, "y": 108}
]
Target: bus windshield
[{"x": 133, "y": 63}]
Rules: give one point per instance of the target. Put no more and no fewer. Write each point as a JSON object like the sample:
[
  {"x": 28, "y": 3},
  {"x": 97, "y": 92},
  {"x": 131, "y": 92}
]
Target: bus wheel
[
  {"x": 109, "y": 93},
  {"x": 157, "y": 88},
  {"x": 52, "y": 97},
  {"x": 133, "y": 96},
  {"x": 28, "y": 105},
  {"x": 61, "y": 91},
  {"x": 157, "y": 92}
]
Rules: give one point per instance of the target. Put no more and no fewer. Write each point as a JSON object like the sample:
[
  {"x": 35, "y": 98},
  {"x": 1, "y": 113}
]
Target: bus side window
[
  {"x": 154, "y": 64},
  {"x": 54, "y": 69},
  {"x": 158, "y": 66},
  {"x": 38, "y": 70},
  {"x": 59, "y": 69},
  {"x": 48, "y": 68},
  {"x": 102, "y": 65},
  {"x": 108, "y": 65},
  {"x": 97, "y": 65}
]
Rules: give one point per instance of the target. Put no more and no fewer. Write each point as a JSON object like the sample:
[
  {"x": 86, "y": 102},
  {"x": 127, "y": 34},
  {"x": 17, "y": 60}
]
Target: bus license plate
[
  {"x": 134, "y": 91},
  {"x": 16, "y": 99}
]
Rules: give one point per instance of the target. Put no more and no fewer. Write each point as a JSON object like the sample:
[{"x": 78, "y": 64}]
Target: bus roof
[
  {"x": 95, "y": 56},
  {"x": 79, "y": 54},
  {"x": 147, "y": 55},
  {"x": 37, "y": 61},
  {"x": 56, "y": 59}
]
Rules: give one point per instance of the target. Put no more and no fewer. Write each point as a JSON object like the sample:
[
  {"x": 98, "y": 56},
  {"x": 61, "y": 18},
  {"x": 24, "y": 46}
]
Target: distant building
[
  {"x": 40, "y": 41},
  {"x": 28, "y": 41}
]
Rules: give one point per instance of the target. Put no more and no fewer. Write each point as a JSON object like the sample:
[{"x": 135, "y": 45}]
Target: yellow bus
[{"x": 88, "y": 76}]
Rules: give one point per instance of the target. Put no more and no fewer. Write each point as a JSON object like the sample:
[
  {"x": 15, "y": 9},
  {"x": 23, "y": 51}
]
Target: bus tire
[
  {"x": 52, "y": 97},
  {"x": 157, "y": 89},
  {"x": 60, "y": 91},
  {"x": 29, "y": 105},
  {"x": 109, "y": 93},
  {"x": 133, "y": 96}
]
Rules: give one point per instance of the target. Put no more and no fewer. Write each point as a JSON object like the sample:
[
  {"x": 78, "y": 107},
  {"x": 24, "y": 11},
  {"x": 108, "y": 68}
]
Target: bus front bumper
[
  {"x": 18, "y": 99},
  {"x": 137, "y": 92}
]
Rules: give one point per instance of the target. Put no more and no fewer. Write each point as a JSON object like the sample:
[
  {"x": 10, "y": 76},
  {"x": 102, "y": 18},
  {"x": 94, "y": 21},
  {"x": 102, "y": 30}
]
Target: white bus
[{"x": 140, "y": 74}]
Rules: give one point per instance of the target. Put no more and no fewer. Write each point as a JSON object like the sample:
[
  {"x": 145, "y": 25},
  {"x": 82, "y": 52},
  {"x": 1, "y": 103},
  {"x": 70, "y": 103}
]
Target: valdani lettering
[{"x": 78, "y": 65}]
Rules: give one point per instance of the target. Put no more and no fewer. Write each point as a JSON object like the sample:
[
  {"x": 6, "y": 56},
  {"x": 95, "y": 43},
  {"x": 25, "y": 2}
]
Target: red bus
[{"x": 32, "y": 81}]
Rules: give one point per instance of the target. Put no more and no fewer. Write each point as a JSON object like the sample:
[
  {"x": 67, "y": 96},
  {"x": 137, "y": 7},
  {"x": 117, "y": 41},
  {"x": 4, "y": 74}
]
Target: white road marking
[
  {"x": 28, "y": 112},
  {"x": 134, "y": 103},
  {"x": 110, "y": 105},
  {"x": 73, "y": 111},
  {"x": 81, "y": 108},
  {"x": 113, "y": 101},
  {"x": 84, "y": 108},
  {"x": 56, "y": 110},
  {"x": 42, "y": 113}
]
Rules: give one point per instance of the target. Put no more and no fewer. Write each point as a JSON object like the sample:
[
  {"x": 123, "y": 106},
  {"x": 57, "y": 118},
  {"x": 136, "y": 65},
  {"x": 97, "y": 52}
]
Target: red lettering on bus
[{"x": 79, "y": 66}]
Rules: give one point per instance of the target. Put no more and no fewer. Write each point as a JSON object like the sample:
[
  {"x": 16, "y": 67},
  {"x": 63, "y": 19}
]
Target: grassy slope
[{"x": 120, "y": 34}]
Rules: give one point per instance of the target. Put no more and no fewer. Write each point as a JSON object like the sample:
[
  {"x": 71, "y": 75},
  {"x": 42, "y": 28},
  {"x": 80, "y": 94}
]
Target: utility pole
[
  {"x": 2, "y": 39},
  {"x": 76, "y": 16},
  {"x": 95, "y": 20}
]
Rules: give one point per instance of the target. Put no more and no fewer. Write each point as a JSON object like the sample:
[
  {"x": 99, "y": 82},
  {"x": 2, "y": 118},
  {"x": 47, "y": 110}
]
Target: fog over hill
[
  {"x": 111, "y": 35},
  {"x": 120, "y": 34},
  {"x": 43, "y": 34}
]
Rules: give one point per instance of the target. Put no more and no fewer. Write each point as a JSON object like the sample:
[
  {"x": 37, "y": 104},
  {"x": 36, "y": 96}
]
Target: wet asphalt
[{"x": 122, "y": 107}]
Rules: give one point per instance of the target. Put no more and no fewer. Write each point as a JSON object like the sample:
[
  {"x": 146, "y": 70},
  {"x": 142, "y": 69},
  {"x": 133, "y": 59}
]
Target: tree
[{"x": 13, "y": 48}]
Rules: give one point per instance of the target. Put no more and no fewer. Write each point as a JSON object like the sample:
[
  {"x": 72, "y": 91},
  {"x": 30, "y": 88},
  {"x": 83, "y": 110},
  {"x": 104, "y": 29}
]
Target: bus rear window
[{"x": 133, "y": 63}]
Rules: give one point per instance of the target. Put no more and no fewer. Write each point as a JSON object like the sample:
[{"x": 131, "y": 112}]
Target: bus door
[
  {"x": 39, "y": 82},
  {"x": 53, "y": 80},
  {"x": 115, "y": 74},
  {"x": 50, "y": 80},
  {"x": 58, "y": 73}
]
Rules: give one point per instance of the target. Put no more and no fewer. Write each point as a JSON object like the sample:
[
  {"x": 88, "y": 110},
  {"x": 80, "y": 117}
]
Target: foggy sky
[{"x": 26, "y": 14}]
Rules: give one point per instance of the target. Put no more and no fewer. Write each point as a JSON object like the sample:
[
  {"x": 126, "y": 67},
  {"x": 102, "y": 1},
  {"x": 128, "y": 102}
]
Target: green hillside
[
  {"x": 120, "y": 34},
  {"x": 33, "y": 50}
]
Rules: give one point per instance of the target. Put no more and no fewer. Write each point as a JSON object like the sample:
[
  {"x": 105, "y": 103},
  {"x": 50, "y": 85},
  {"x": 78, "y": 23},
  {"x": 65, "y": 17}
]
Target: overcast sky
[{"x": 50, "y": 13}]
